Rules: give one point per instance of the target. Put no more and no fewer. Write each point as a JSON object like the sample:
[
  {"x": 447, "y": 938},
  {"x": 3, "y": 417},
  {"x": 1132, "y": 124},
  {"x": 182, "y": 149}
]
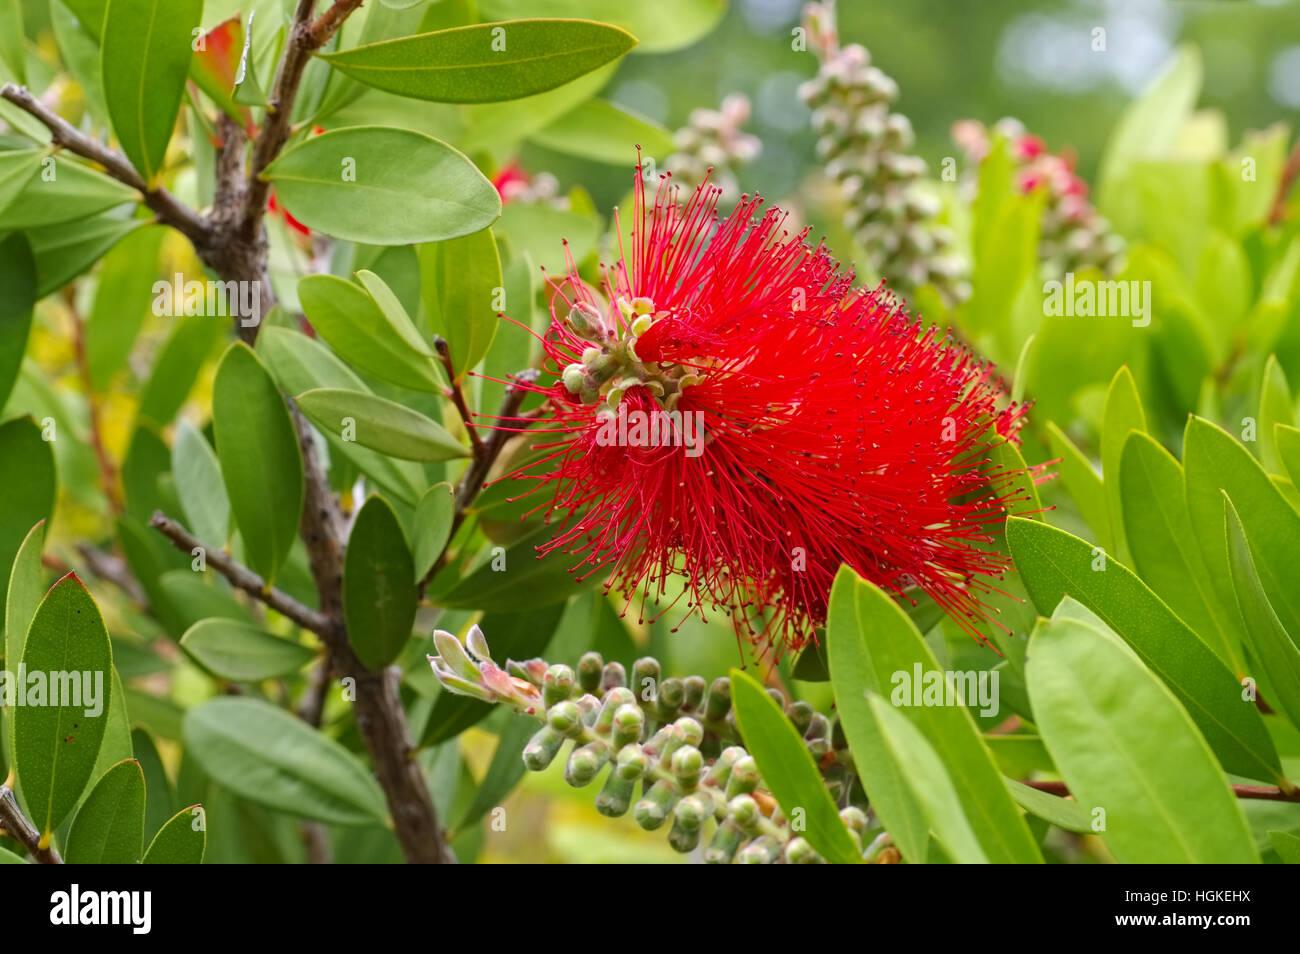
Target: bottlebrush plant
[{"x": 376, "y": 491}]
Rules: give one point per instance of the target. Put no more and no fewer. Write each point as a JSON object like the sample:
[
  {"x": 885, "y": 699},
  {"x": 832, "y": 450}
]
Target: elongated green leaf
[
  {"x": 383, "y": 186},
  {"x": 503, "y": 772},
  {"x": 123, "y": 297},
  {"x": 927, "y": 777},
  {"x": 660, "y": 27},
  {"x": 432, "y": 527},
  {"x": 1164, "y": 551},
  {"x": 158, "y": 795},
  {"x": 109, "y": 828},
  {"x": 460, "y": 285},
  {"x": 260, "y": 458},
  {"x": 146, "y": 58},
  {"x": 300, "y": 364},
  {"x": 182, "y": 841},
  {"x": 11, "y": 39},
  {"x": 1054, "y": 564},
  {"x": 25, "y": 590},
  {"x": 1122, "y": 414},
  {"x": 16, "y": 170},
  {"x": 380, "y": 424},
  {"x": 66, "y": 250},
  {"x": 1214, "y": 462},
  {"x": 270, "y": 757},
  {"x": 55, "y": 745},
  {"x": 788, "y": 769},
  {"x": 379, "y": 596},
  {"x": 604, "y": 132},
  {"x": 1287, "y": 441},
  {"x": 176, "y": 367},
  {"x": 362, "y": 333},
  {"x": 1061, "y": 812},
  {"x": 518, "y": 577},
  {"x": 199, "y": 486},
  {"x": 1272, "y": 645},
  {"x": 1083, "y": 484},
  {"x": 242, "y": 652},
  {"x": 63, "y": 191},
  {"x": 1126, "y": 746},
  {"x": 1275, "y": 407},
  {"x": 1286, "y": 845},
  {"x": 18, "y": 279},
  {"x": 870, "y": 641},
  {"x": 485, "y": 62},
  {"x": 27, "y": 474}
]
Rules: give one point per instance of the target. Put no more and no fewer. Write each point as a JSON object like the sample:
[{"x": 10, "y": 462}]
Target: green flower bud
[
  {"x": 647, "y": 667},
  {"x": 584, "y": 319},
  {"x": 854, "y": 818},
  {"x": 542, "y": 748},
  {"x": 651, "y": 811},
  {"x": 454, "y": 656},
  {"x": 686, "y": 765},
  {"x": 692, "y": 732},
  {"x": 613, "y": 675},
  {"x": 819, "y": 728},
  {"x": 669, "y": 699},
  {"x": 694, "y": 687},
  {"x": 720, "y": 771},
  {"x": 558, "y": 684},
  {"x": 661, "y": 742},
  {"x": 718, "y": 704},
  {"x": 763, "y": 850},
  {"x": 744, "y": 777},
  {"x": 585, "y": 763},
  {"x": 589, "y": 706},
  {"x": 573, "y": 377},
  {"x": 616, "y": 796},
  {"x": 688, "y": 819},
  {"x": 590, "y": 669},
  {"x": 801, "y": 714},
  {"x": 565, "y": 717},
  {"x": 628, "y": 721},
  {"x": 799, "y": 852},
  {"x": 632, "y": 762},
  {"x": 722, "y": 849},
  {"x": 743, "y": 812}
]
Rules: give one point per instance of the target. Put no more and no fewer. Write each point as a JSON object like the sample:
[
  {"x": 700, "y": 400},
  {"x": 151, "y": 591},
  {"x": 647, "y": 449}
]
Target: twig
[
  {"x": 108, "y": 567},
  {"x": 166, "y": 206},
  {"x": 107, "y": 473},
  {"x": 457, "y": 395},
  {"x": 1266, "y": 792},
  {"x": 16, "y": 826},
  {"x": 241, "y": 577},
  {"x": 1289, "y": 173}
]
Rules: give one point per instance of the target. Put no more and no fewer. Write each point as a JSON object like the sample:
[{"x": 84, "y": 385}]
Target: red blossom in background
[{"x": 836, "y": 429}]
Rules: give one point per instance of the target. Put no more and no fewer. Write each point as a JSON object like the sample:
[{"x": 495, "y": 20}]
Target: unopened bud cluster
[
  {"x": 713, "y": 143},
  {"x": 1073, "y": 235},
  {"x": 866, "y": 148},
  {"x": 668, "y": 750}
]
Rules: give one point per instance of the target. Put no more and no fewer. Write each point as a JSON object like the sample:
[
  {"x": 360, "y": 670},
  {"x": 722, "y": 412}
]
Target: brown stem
[
  {"x": 107, "y": 473},
  {"x": 1267, "y": 792},
  {"x": 1289, "y": 173},
  {"x": 241, "y": 577},
  {"x": 16, "y": 826},
  {"x": 457, "y": 395}
]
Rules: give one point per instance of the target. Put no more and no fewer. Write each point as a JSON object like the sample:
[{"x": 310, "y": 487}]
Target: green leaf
[
  {"x": 66, "y": 250},
  {"x": 516, "y": 576},
  {"x": 272, "y": 758},
  {"x": 55, "y": 746},
  {"x": 870, "y": 640},
  {"x": 1271, "y": 644},
  {"x": 27, "y": 474},
  {"x": 460, "y": 285},
  {"x": 1275, "y": 407},
  {"x": 1054, "y": 564},
  {"x": 485, "y": 62},
  {"x": 63, "y": 191},
  {"x": 1214, "y": 462},
  {"x": 123, "y": 297},
  {"x": 788, "y": 769},
  {"x": 432, "y": 526},
  {"x": 659, "y": 28},
  {"x": 379, "y": 595},
  {"x": 503, "y": 772},
  {"x": 1062, "y": 812},
  {"x": 1122, "y": 414},
  {"x": 1287, "y": 441},
  {"x": 1083, "y": 484},
  {"x": 1125, "y": 745},
  {"x": 300, "y": 364},
  {"x": 242, "y": 652},
  {"x": 261, "y": 462},
  {"x": 16, "y": 170},
  {"x": 181, "y": 841},
  {"x": 533, "y": 228},
  {"x": 197, "y": 477},
  {"x": 176, "y": 367},
  {"x": 383, "y": 186},
  {"x": 11, "y": 39},
  {"x": 375, "y": 340},
  {"x": 158, "y": 795},
  {"x": 109, "y": 828},
  {"x": 26, "y": 587},
  {"x": 927, "y": 777},
  {"x": 1164, "y": 550},
  {"x": 380, "y": 424},
  {"x": 18, "y": 279},
  {"x": 604, "y": 132},
  {"x": 146, "y": 59},
  {"x": 1017, "y": 485},
  {"x": 1286, "y": 845}
]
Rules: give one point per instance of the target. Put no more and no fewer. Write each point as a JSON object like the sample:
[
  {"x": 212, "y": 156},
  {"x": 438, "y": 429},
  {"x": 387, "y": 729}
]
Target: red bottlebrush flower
[{"x": 730, "y": 410}]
